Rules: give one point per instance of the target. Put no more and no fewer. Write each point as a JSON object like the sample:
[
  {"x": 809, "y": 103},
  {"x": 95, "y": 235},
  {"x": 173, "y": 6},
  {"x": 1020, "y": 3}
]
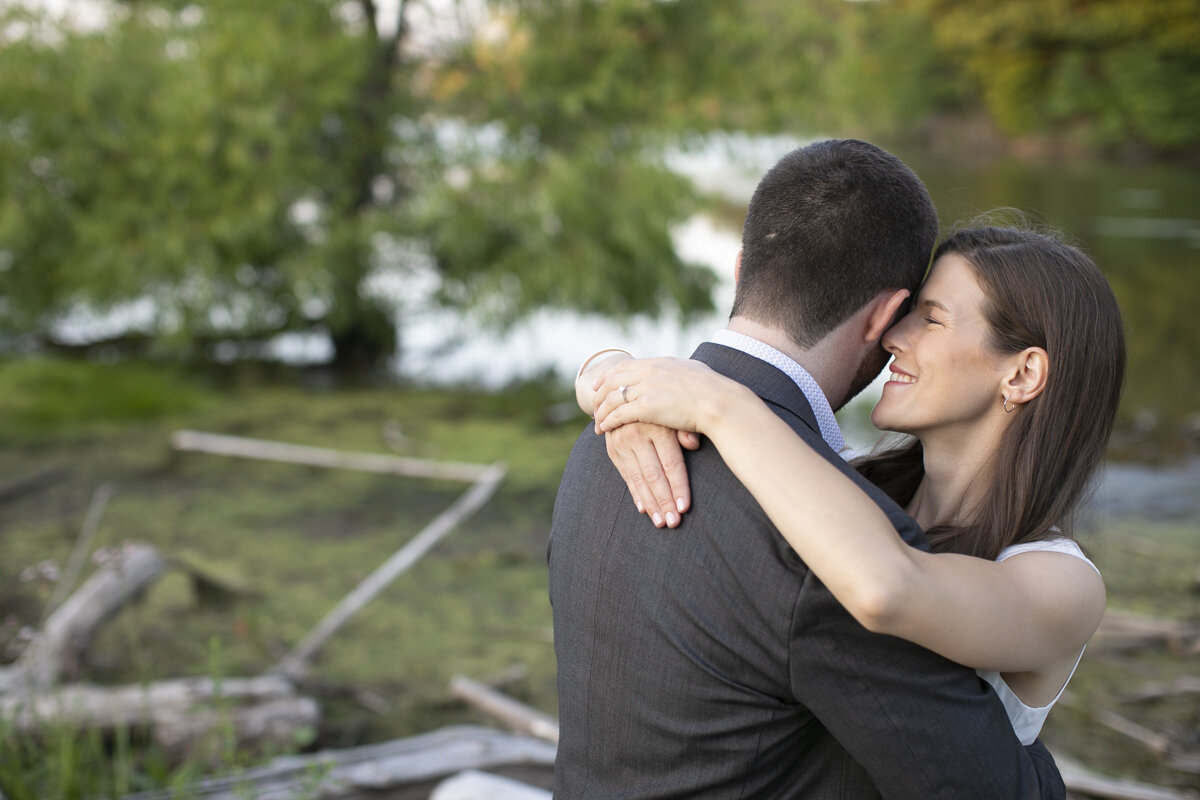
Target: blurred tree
[
  {"x": 242, "y": 169},
  {"x": 247, "y": 167},
  {"x": 217, "y": 158},
  {"x": 1116, "y": 71}
]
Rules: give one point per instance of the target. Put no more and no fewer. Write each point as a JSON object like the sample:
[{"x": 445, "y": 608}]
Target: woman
[{"x": 1007, "y": 372}]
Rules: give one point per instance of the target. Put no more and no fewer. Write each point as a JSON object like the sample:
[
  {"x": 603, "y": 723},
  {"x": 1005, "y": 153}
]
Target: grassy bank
[{"x": 297, "y": 539}]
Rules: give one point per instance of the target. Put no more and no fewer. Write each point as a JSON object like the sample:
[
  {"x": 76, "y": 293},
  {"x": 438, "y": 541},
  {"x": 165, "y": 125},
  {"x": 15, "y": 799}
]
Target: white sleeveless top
[{"x": 1027, "y": 721}]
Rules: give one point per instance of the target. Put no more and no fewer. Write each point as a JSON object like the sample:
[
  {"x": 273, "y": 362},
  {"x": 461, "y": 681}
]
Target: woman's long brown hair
[{"x": 1039, "y": 292}]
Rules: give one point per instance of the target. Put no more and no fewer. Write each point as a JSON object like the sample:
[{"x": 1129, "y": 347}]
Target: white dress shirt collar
[{"x": 830, "y": 431}]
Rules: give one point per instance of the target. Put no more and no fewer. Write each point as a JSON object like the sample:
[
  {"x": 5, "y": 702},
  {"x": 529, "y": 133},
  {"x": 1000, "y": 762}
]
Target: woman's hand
[
  {"x": 674, "y": 392},
  {"x": 648, "y": 410},
  {"x": 650, "y": 460}
]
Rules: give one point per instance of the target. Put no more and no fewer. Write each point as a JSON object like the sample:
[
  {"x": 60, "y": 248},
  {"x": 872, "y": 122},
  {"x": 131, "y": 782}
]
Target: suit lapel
[{"x": 768, "y": 382}]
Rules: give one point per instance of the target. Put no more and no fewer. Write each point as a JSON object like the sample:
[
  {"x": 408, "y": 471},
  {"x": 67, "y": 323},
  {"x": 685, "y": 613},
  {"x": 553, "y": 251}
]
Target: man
[{"x": 706, "y": 661}]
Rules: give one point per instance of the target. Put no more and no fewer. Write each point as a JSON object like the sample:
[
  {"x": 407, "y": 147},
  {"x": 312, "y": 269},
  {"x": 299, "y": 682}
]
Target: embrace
[{"x": 767, "y": 619}]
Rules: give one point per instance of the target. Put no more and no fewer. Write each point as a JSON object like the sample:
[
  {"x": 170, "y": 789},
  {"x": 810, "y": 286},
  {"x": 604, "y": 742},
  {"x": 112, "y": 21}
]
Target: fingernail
[
  {"x": 672, "y": 519},
  {"x": 682, "y": 506},
  {"x": 657, "y": 519},
  {"x": 641, "y": 508}
]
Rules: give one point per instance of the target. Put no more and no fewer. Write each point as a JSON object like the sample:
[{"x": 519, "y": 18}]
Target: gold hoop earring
[{"x": 1004, "y": 403}]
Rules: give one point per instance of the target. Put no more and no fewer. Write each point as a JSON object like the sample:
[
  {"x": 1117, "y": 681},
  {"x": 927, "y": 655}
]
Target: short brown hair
[{"x": 828, "y": 228}]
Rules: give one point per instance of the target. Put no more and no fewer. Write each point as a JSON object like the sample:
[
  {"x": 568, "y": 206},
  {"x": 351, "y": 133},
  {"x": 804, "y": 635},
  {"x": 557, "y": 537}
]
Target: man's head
[{"x": 829, "y": 228}]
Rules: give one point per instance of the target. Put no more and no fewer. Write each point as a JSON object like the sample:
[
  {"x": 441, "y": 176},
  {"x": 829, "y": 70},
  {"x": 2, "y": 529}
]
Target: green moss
[{"x": 300, "y": 538}]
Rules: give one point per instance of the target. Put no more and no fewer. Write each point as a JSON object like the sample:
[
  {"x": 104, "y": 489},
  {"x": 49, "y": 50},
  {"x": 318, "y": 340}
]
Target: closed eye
[{"x": 932, "y": 321}]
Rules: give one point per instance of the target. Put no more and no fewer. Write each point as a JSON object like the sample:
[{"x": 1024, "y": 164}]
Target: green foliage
[
  {"x": 67, "y": 764},
  {"x": 37, "y": 396},
  {"x": 164, "y": 154},
  {"x": 247, "y": 167},
  {"x": 1118, "y": 71},
  {"x": 561, "y": 242},
  {"x": 243, "y": 169}
]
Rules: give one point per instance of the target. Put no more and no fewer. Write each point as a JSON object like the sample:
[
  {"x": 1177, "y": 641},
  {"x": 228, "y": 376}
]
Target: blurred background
[{"x": 397, "y": 226}]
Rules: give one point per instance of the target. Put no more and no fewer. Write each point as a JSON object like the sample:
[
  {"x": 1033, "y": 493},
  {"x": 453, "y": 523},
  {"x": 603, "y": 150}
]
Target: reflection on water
[{"x": 1140, "y": 223}]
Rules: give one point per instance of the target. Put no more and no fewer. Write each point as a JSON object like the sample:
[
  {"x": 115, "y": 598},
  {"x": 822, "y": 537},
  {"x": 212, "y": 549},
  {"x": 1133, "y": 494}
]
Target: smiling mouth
[{"x": 899, "y": 377}]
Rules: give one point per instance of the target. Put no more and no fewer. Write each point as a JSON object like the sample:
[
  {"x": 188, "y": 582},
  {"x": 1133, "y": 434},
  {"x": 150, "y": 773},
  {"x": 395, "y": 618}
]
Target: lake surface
[{"x": 1141, "y": 223}]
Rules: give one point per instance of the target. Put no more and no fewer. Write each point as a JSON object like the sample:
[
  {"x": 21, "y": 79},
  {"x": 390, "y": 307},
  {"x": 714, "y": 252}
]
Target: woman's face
[{"x": 943, "y": 374}]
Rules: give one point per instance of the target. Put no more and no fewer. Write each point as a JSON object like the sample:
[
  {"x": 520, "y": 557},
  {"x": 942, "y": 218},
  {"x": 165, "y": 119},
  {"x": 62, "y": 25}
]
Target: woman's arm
[{"x": 1022, "y": 614}]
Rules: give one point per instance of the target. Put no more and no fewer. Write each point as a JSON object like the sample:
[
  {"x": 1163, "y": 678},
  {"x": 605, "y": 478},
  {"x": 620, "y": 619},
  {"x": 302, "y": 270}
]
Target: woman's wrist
[
  {"x": 587, "y": 361},
  {"x": 591, "y": 368}
]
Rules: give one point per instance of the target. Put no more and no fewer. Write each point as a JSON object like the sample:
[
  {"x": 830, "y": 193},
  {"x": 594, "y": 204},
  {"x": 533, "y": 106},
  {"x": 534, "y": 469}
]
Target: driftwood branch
[
  {"x": 1083, "y": 781},
  {"x": 1125, "y": 630},
  {"x": 1186, "y": 684},
  {"x": 188, "y": 718},
  {"x": 91, "y": 523},
  {"x": 111, "y": 707},
  {"x": 475, "y": 785},
  {"x": 514, "y": 714},
  {"x": 19, "y": 487},
  {"x": 295, "y": 664},
  {"x": 1156, "y": 743},
  {"x": 69, "y": 630},
  {"x": 204, "y": 733},
  {"x": 262, "y": 450},
  {"x": 354, "y": 772}
]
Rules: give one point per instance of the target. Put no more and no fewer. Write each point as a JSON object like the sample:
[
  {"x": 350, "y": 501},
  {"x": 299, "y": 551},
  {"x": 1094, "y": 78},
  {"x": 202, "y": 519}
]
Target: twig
[
  {"x": 31, "y": 483},
  {"x": 295, "y": 663},
  {"x": 1157, "y": 743},
  {"x": 1185, "y": 684},
  {"x": 1084, "y": 781},
  {"x": 91, "y": 523},
  {"x": 1125, "y": 630},
  {"x": 262, "y": 450},
  {"x": 516, "y": 715}
]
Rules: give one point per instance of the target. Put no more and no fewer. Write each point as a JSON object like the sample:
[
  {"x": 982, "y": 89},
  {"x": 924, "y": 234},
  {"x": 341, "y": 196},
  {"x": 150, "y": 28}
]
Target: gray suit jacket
[{"x": 706, "y": 661}]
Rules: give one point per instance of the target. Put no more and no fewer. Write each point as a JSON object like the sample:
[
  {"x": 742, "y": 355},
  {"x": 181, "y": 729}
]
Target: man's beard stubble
[{"x": 868, "y": 370}]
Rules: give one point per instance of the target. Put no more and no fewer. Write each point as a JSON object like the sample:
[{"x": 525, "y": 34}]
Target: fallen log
[
  {"x": 475, "y": 785},
  {"x": 358, "y": 771},
  {"x": 1125, "y": 630},
  {"x": 1186, "y": 684},
  {"x": 205, "y": 734},
  {"x": 1189, "y": 762},
  {"x": 19, "y": 487},
  {"x": 264, "y": 450},
  {"x": 196, "y": 719},
  {"x": 108, "y": 708},
  {"x": 1153, "y": 741},
  {"x": 1081, "y": 780},
  {"x": 70, "y": 628},
  {"x": 514, "y": 714},
  {"x": 295, "y": 664}
]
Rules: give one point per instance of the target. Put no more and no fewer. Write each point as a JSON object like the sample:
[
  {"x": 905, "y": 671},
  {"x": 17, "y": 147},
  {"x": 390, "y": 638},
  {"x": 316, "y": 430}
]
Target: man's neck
[{"x": 815, "y": 360}]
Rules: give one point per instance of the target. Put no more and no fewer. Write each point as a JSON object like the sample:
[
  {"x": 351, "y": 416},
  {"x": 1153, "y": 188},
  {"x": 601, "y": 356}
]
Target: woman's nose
[{"x": 893, "y": 338}]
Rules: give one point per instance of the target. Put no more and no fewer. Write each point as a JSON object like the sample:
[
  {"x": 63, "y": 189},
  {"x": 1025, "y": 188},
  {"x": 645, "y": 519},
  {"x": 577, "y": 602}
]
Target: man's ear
[
  {"x": 1027, "y": 379},
  {"x": 884, "y": 312},
  {"x": 737, "y": 268}
]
